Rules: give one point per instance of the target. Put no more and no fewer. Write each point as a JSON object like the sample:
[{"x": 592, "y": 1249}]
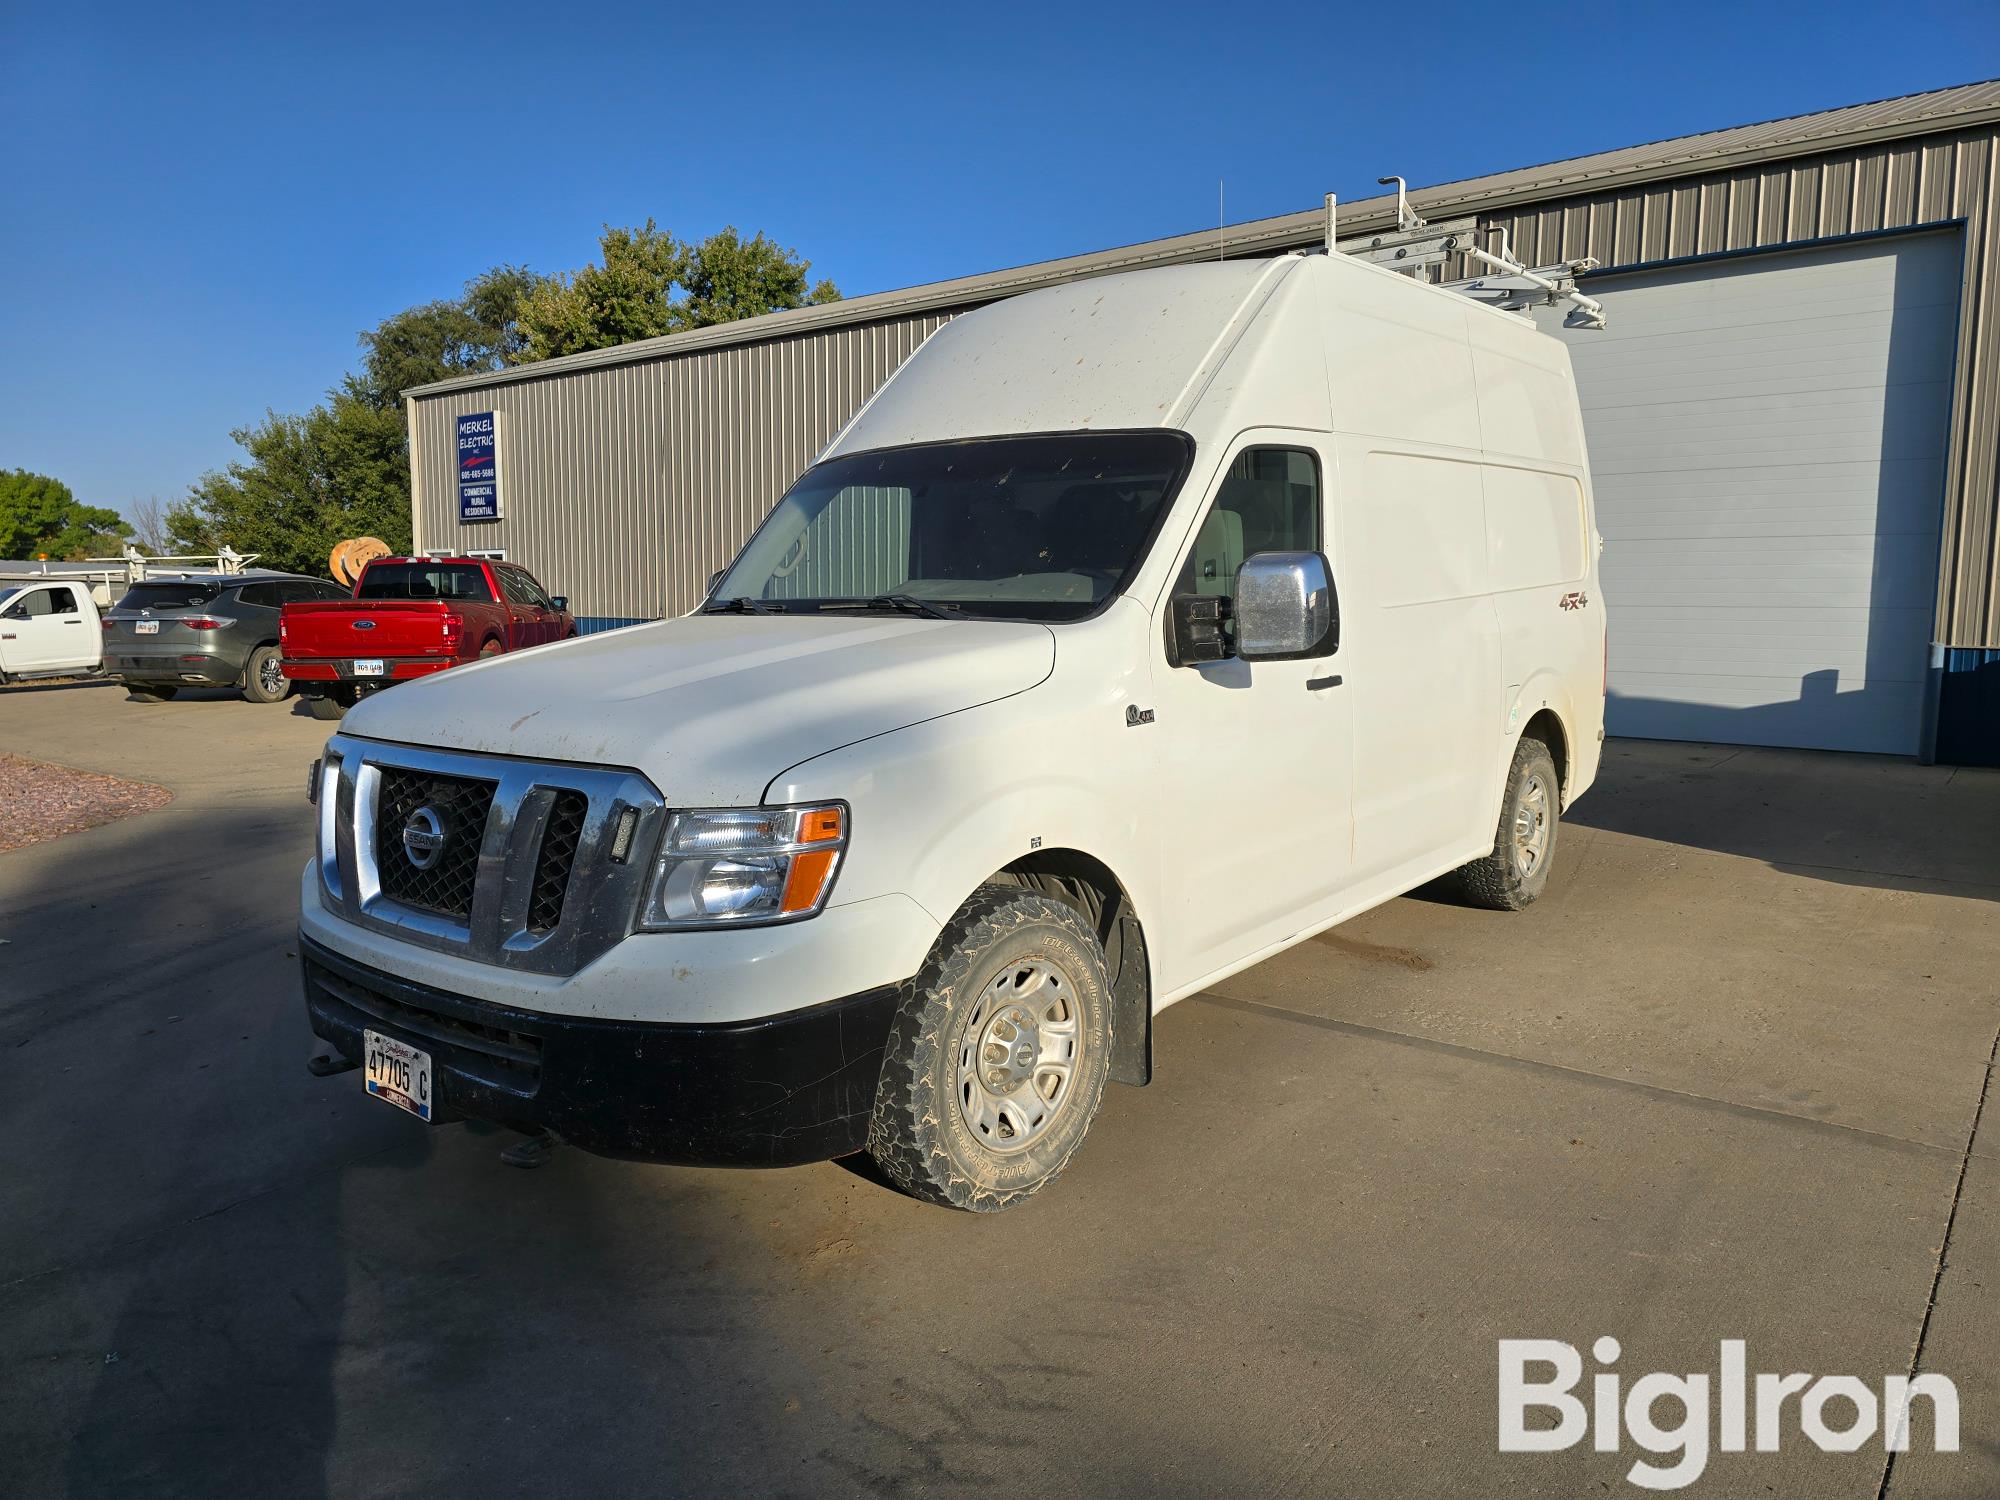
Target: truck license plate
[
  {"x": 145, "y": 627},
  {"x": 370, "y": 667},
  {"x": 399, "y": 1074}
]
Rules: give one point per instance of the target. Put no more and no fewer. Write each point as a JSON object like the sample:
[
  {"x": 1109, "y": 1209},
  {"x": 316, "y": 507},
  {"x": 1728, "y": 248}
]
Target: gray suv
[{"x": 209, "y": 630}]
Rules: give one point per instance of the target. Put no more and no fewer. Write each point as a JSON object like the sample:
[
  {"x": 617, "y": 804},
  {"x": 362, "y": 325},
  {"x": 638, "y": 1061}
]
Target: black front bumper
[{"x": 768, "y": 1093}]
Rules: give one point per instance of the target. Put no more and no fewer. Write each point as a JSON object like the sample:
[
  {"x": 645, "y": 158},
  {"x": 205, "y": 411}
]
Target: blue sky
[{"x": 200, "y": 209}]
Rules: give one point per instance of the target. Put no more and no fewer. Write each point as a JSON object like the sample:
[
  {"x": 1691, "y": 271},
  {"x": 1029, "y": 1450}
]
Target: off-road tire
[
  {"x": 919, "y": 1136},
  {"x": 150, "y": 692},
  {"x": 254, "y": 674},
  {"x": 1498, "y": 881},
  {"x": 321, "y": 706}
]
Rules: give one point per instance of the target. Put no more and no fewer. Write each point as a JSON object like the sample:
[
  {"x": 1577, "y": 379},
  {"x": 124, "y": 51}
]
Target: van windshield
[{"x": 1025, "y": 528}]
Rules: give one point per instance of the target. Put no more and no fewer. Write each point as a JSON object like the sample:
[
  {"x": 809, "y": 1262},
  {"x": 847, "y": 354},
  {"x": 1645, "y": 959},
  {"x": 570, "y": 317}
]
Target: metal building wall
[
  {"x": 1880, "y": 187},
  {"x": 626, "y": 486}
]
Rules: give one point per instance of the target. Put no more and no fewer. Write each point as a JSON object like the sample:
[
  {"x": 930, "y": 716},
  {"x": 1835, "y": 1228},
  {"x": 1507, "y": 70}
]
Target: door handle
[{"x": 1314, "y": 684}]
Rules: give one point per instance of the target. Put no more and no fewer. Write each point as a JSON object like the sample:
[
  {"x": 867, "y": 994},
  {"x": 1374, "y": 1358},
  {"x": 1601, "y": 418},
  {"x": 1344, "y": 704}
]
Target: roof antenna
[
  {"x": 1406, "y": 217},
  {"x": 1218, "y": 218}
]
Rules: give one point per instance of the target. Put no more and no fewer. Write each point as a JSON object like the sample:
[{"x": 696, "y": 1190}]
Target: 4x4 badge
[{"x": 1575, "y": 599}]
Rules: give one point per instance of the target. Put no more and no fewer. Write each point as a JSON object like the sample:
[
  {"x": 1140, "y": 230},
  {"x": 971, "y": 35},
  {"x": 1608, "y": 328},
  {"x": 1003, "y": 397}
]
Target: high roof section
[{"x": 1742, "y": 145}]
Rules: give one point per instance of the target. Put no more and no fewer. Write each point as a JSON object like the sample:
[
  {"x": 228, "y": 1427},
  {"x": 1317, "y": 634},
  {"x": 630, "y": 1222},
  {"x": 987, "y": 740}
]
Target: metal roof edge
[{"x": 1959, "y": 107}]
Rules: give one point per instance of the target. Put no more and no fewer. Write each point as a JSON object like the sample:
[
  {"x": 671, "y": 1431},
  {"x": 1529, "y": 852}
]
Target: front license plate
[
  {"x": 371, "y": 667},
  {"x": 145, "y": 627},
  {"x": 399, "y": 1074}
]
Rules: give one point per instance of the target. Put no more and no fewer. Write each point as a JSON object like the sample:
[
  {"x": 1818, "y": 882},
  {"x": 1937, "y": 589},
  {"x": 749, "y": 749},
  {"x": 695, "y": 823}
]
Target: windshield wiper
[
  {"x": 909, "y": 604},
  {"x": 741, "y": 605}
]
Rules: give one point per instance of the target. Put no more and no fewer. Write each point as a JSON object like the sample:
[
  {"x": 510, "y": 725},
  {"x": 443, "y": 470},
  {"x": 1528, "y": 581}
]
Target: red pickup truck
[{"x": 410, "y": 616}]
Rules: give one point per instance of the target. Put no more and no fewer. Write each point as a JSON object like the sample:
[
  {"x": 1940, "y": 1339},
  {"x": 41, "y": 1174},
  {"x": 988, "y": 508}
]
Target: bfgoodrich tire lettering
[
  {"x": 951, "y": 1124},
  {"x": 1524, "y": 845}
]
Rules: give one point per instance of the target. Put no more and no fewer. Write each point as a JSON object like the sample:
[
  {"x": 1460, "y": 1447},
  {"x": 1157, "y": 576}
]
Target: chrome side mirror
[{"x": 1285, "y": 607}]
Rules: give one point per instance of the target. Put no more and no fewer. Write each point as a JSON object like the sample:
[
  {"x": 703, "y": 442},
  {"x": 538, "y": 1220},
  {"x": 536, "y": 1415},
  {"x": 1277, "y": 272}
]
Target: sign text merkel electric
[{"x": 479, "y": 467}]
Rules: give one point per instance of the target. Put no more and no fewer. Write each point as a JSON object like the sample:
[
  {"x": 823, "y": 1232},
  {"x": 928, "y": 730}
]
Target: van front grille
[
  {"x": 561, "y": 836},
  {"x": 416, "y": 809}
]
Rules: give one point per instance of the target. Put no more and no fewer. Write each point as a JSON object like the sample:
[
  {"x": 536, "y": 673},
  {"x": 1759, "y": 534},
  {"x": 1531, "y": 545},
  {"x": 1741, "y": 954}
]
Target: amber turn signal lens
[
  {"x": 819, "y": 826},
  {"x": 808, "y": 878}
]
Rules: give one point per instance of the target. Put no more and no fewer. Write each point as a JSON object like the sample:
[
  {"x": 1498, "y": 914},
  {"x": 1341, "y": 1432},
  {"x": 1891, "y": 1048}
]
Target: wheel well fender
[
  {"x": 1086, "y": 883},
  {"x": 1547, "y": 726}
]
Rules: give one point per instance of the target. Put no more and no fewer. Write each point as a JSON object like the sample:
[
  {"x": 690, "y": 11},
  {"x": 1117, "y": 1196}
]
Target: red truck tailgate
[{"x": 341, "y": 628}]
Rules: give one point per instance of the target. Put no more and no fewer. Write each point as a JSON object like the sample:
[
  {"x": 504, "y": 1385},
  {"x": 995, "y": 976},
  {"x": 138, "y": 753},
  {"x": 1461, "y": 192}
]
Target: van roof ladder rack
[{"x": 1416, "y": 245}]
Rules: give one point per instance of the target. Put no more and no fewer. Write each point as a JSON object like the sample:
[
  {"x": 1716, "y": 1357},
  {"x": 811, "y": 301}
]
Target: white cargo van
[
  {"x": 48, "y": 629},
  {"x": 1136, "y": 630}
]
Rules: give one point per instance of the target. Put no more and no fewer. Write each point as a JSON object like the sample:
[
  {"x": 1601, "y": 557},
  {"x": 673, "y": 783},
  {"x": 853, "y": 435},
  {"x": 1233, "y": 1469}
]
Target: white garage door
[{"x": 1767, "y": 437}]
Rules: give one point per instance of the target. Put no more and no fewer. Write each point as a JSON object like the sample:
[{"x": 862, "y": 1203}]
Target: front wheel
[
  {"x": 326, "y": 706},
  {"x": 264, "y": 680},
  {"x": 998, "y": 1056},
  {"x": 1514, "y": 874}
]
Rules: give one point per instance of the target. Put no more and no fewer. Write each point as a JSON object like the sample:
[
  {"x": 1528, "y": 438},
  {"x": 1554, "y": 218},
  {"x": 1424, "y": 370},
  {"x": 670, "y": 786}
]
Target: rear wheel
[
  {"x": 998, "y": 1056},
  {"x": 151, "y": 692},
  {"x": 325, "y": 706},
  {"x": 491, "y": 648},
  {"x": 263, "y": 679},
  {"x": 1524, "y": 844}
]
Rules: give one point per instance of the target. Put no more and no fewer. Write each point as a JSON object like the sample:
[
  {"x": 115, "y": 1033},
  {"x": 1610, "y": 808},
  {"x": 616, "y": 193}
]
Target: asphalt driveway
[{"x": 1725, "y": 1081}]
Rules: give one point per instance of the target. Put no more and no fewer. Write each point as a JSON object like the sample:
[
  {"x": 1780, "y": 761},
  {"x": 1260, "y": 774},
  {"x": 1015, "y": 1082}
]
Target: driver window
[{"x": 1268, "y": 502}]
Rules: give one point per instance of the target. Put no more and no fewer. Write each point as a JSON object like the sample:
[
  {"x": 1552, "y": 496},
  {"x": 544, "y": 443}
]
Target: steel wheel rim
[
  {"x": 270, "y": 676},
  {"x": 1531, "y": 826},
  {"x": 1018, "y": 1052}
]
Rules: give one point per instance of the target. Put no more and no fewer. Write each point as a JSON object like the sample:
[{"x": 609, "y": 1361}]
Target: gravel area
[{"x": 39, "y": 801}]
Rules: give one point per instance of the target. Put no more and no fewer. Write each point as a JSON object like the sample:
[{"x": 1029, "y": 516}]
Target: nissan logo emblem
[{"x": 423, "y": 837}]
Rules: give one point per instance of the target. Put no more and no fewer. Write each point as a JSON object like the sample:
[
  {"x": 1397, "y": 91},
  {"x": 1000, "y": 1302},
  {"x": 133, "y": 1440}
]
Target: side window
[
  {"x": 39, "y": 602},
  {"x": 259, "y": 595},
  {"x": 515, "y": 588},
  {"x": 61, "y": 602},
  {"x": 1269, "y": 502},
  {"x": 326, "y": 591},
  {"x": 536, "y": 592}
]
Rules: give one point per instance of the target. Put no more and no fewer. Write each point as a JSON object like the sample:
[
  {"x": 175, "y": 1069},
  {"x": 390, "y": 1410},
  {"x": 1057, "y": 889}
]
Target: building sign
[{"x": 479, "y": 466}]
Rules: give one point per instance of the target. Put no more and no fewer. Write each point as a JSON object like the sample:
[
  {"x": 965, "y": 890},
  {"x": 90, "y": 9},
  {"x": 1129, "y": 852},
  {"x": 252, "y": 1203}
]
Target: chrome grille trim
[{"x": 602, "y": 898}]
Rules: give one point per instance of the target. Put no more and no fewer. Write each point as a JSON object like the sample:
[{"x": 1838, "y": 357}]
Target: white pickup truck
[
  {"x": 1135, "y": 630},
  {"x": 48, "y": 629}
]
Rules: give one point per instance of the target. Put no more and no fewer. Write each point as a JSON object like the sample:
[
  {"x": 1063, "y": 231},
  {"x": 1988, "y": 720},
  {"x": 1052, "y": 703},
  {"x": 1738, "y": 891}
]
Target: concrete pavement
[{"x": 1722, "y": 1082}]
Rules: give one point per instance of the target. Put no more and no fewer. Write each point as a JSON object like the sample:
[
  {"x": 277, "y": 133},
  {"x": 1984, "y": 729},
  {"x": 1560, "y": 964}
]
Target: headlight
[{"x": 724, "y": 866}]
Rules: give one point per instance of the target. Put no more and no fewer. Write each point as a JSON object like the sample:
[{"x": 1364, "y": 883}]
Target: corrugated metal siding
[
  {"x": 626, "y": 487},
  {"x": 1886, "y": 186}
]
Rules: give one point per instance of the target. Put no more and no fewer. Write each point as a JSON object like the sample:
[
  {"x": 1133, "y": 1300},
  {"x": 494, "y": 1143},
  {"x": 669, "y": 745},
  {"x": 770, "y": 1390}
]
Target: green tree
[
  {"x": 343, "y": 468},
  {"x": 651, "y": 283},
  {"x": 39, "y": 514},
  {"x": 466, "y": 335},
  {"x": 305, "y": 483}
]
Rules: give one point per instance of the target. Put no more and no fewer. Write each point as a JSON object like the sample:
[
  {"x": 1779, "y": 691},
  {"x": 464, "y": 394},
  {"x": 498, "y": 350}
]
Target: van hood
[{"x": 712, "y": 707}]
